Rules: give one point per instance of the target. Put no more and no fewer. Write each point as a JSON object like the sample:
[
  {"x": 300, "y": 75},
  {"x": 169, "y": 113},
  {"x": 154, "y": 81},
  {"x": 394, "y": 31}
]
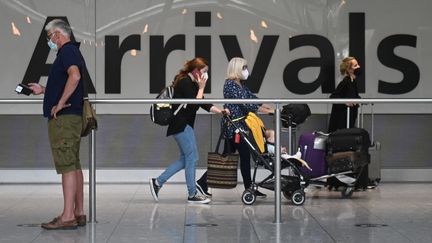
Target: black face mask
[{"x": 358, "y": 72}]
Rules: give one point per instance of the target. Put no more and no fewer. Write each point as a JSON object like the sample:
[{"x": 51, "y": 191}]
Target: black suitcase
[
  {"x": 349, "y": 139},
  {"x": 346, "y": 161}
]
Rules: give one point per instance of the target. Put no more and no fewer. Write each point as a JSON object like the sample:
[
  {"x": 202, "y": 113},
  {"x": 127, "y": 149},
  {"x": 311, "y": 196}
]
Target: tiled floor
[{"x": 127, "y": 213}]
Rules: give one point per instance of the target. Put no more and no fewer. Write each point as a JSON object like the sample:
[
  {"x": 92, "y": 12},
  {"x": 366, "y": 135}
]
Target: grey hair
[{"x": 58, "y": 24}]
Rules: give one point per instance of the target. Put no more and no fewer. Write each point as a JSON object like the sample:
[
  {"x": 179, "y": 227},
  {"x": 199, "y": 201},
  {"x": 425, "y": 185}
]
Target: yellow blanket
[{"x": 257, "y": 128}]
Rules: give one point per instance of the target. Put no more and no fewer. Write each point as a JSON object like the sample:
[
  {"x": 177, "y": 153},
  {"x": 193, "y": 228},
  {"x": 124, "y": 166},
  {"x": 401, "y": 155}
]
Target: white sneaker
[{"x": 198, "y": 199}]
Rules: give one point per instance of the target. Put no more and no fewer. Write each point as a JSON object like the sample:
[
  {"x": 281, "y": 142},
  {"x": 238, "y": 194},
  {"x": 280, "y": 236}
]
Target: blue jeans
[{"x": 188, "y": 159}]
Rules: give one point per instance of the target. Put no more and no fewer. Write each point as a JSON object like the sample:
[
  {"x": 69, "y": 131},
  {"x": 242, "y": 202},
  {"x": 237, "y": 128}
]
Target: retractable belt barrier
[{"x": 276, "y": 102}]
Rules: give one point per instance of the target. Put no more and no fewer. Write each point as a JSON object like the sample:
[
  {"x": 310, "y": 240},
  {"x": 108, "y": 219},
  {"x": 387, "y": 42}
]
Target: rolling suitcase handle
[
  {"x": 375, "y": 166},
  {"x": 360, "y": 122},
  {"x": 360, "y": 116}
]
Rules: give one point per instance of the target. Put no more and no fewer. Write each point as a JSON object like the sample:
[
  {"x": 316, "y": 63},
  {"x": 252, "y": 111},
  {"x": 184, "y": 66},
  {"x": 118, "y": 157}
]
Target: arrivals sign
[{"x": 293, "y": 48}]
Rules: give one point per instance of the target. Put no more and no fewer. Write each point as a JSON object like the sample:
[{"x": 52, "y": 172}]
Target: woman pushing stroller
[{"x": 235, "y": 88}]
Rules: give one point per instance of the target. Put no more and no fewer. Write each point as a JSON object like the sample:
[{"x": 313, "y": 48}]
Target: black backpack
[
  {"x": 163, "y": 113},
  {"x": 296, "y": 113}
]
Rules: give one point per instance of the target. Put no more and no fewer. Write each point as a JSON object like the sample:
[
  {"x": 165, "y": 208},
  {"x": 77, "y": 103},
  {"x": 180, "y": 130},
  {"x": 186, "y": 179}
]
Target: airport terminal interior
[{"x": 344, "y": 84}]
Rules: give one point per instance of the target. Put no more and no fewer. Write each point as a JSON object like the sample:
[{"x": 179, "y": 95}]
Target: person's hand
[
  {"x": 58, "y": 108},
  {"x": 266, "y": 106},
  {"x": 350, "y": 104},
  {"x": 271, "y": 111},
  {"x": 225, "y": 112},
  {"x": 36, "y": 88},
  {"x": 266, "y": 109},
  {"x": 201, "y": 81}
]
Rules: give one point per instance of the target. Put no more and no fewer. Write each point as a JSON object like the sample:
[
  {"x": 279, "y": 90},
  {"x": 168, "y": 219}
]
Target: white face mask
[
  {"x": 245, "y": 74},
  {"x": 204, "y": 75}
]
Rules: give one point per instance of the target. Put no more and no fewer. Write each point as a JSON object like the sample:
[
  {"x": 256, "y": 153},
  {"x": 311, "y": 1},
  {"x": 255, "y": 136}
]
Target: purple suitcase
[{"x": 312, "y": 147}]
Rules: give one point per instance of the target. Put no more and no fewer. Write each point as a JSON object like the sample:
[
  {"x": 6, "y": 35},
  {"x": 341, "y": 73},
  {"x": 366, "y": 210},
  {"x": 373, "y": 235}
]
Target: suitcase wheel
[{"x": 347, "y": 192}]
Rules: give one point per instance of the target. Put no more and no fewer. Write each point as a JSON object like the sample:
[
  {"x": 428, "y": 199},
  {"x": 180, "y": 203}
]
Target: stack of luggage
[
  {"x": 343, "y": 152},
  {"x": 347, "y": 158},
  {"x": 348, "y": 150}
]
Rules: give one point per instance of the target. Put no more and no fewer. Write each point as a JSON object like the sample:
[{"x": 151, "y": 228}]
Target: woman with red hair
[{"x": 189, "y": 83}]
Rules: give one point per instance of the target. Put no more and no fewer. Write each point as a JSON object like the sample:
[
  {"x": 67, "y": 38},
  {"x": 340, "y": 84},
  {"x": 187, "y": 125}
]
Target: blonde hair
[
  {"x": 346, "y": 63},
  {"x": 235, "y": 67}
]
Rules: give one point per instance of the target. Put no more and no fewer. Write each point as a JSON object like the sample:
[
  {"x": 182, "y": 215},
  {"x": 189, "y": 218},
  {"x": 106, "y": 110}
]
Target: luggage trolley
[{"x": 345, "y": 163}]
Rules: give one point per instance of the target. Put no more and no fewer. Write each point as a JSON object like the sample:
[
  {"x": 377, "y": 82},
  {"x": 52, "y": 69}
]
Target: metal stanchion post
[
  {"x": 278, "y": 233},
  {"x": 92, "y": 178},
  {"x": 277, "y": 167},
  {"x": 348, "y": 117},
  {"x": 359, "y": 115},
  {"x": 372, "y": 124},
  {"x": 290, "y": 142}
]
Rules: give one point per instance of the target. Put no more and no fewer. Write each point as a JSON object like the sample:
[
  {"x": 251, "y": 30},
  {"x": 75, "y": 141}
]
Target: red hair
[{"x": 196, "y": 63}]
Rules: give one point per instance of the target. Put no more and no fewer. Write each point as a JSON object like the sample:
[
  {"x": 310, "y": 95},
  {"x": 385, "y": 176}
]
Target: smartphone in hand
[{"x": 23, "y": 89}]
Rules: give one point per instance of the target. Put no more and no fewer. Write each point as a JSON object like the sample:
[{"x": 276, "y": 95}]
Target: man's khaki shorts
[{"x": 65, "y": 136}]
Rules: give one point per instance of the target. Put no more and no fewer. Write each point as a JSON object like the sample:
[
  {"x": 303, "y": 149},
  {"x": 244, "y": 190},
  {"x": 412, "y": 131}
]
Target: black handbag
[{"x": 222, "y": 168}]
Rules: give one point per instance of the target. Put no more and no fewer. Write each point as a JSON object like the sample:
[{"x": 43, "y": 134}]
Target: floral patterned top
[{"x": 232, "y": 90}]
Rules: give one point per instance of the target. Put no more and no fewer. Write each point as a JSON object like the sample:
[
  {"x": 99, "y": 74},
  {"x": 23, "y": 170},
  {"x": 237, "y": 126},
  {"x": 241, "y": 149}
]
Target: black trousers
[
  {"x": 245, "y": 167},
  {"x": 338, "y": 117}
]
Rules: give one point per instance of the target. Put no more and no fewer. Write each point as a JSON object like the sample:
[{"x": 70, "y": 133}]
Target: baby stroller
[{"x": 292, "y": 181}]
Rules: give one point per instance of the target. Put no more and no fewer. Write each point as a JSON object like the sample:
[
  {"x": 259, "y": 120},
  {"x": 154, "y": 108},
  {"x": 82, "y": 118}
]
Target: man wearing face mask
[
  {"x": 347, "y": 88},
  {"x": 63, "y": 100}
]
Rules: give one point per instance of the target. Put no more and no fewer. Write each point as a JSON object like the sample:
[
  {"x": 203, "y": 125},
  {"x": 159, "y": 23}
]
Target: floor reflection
[{"x": 129, "y": 214}]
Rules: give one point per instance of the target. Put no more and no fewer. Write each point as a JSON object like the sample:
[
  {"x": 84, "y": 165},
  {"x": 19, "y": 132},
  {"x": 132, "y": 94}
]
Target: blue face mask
[{"x": 52, "y": 45}]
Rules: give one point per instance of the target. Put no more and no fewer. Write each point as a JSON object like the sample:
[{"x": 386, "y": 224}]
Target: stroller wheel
[
  {"x": 347, "y": 192},
  {"x": 248, "y": 197},
  {"x": 298, "y": 197}
]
